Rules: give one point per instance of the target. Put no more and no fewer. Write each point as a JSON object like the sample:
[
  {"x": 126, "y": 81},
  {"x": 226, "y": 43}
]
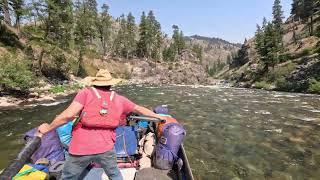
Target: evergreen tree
[
  {"x": 154, "y": 35},
  {"x": 304, "y": 10},
  {"x": 86, "y": 14},
  {"x": 264, "y": 23},
  {"x": 267, "y": 45},
  {"x": 85, "y": 29},
  {"x": 277, "y": 23},
  {"x": 197, "y": 49},
  {"x": 308, "y": 12},
  {"x": 130, "y": 33},
  {"x": 277, "y": 15},
  {"x": 120, "y": 41},
  {"x": 296, "y": 8},
  {"x": 182, "y": 44},
  {"x": 59, "y": 22},
  {"x": 178, "y": 39},
  {"x": 229, "y": 59},
  {"x": 6, "y": 13},
  {"x": 149, "y": 44},
  {"x": 104, "y": 24},
  {"x": 19, "y": 11},
  {"x": 142, "y": 49},
  {"x": 169, "y": 53}
]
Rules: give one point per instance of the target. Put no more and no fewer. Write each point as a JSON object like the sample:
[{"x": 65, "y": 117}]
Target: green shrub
[
  {"x": 284, "y": 85},
  {"x": 15, "y": 74},
  {"x": 126, "y": 74},
  {"x": 314, "y": 86},
  {"x": 281, "y": 72},
  {"x": 303, "y": 53},
  {"x": 57, "y": 89},
  {"x": 262, "y": 85},
  {"x": 92, "y": 54},
  {"x": 285, "y": 57}
]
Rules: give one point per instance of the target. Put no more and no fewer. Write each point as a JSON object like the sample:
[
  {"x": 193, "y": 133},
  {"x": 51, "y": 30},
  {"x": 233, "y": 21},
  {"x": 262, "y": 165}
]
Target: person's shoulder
[
  {"x": 84, "y": 90},
  {"x": 120, "y": 97}
]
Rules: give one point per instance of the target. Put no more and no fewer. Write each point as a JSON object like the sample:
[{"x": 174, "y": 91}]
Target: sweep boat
[{"x": 130, "y": 171}]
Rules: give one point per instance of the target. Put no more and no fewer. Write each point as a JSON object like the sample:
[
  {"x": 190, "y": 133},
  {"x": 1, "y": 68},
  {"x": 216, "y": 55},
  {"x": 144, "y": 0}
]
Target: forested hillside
[
  {"x": 51, "y": 41},
  {"x": 217, "y": 53},
  {"x": 282, "y": 55}
]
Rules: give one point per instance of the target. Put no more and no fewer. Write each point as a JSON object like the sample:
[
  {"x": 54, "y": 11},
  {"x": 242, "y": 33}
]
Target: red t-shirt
[{"x": 88, "y": 141}]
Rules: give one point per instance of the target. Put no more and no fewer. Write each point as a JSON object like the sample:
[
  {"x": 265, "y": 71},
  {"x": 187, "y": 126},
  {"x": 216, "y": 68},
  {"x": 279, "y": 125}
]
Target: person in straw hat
[{"x": 101, "y": 112}]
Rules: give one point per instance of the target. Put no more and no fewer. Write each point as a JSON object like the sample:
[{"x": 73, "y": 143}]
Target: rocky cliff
[{"x": 297, "y": 69}]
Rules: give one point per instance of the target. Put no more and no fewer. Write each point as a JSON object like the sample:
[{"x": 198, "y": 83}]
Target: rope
[{"x": 125, "y": 149}]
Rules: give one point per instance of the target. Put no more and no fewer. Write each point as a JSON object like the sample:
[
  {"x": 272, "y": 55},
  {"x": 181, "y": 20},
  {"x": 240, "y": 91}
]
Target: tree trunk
[
  {"x": 18, "y": 25},
  {"x": 79, "y": 62},
  {"x": 294, "y": 36},
  {"x": 40, "y": 62},
  {"x": 311, "y": 25},
  {"x": 6, "y": 12}
]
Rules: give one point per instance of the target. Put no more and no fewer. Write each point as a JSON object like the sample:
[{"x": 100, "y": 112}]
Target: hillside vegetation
[
  {"x": 282, "y": 55},
  {"x": 51, "y": 41}
]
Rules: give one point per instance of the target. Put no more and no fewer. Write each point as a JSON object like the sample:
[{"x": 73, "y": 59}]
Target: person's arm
[
  {"x": 66, "y": 116},
  {"x": 146, "y": 112}
]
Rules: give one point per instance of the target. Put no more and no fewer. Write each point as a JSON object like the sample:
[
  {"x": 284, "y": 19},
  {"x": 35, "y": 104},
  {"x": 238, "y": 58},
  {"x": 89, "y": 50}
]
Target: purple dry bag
[
  {"x": 168, "y": 146},
  {"x": 50, "y": 147}
]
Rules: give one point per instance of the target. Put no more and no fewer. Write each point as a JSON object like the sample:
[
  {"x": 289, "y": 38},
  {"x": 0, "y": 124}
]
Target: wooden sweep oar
[{"x": 22, "y": 158}]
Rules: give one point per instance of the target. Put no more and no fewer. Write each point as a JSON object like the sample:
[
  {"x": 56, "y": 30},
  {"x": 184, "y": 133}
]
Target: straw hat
[{"x": 103, "y": 78}]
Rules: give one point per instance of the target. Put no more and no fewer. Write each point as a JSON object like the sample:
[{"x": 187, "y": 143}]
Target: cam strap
[{"x": 28, "y": 171}]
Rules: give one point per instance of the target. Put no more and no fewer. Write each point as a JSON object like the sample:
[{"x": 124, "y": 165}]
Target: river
[{"x": 231, "y": 133}]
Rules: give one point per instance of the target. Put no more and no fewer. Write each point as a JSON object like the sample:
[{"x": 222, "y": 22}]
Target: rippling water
[{"x": 231, "y": 133}]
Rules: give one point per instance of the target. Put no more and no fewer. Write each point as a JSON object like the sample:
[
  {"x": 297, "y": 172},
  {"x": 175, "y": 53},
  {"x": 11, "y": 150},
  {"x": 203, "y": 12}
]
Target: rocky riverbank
[{"x": 188, "y": 70}]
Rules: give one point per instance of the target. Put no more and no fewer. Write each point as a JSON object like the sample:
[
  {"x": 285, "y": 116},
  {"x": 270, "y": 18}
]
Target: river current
[{"x": 231, "y": 133}]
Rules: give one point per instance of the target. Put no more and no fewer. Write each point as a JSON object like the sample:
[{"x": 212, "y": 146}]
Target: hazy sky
[{"x": 232, "y": 20}]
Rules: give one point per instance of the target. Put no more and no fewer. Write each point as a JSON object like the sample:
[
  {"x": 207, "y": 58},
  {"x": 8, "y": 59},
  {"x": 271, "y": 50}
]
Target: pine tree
[
  {"x": 156, "y": 50},
  {"x": 86, "y": 14},
  {"x": 120, "y": 41},
  {"x": 264, "y": 23},
  {"x": 304, "y": 10},
  {"x": 154, "y": 35},
  {"x": 104, "y": 27},
  {"x": 277, "y": 15},
  {"x": 19, "y": 11},
  {"x": 197, "y": 49},
  {"x": 130, "y": 33},
  {"x": 85, "y": 29},
  {"x": 142, "y": 47},
  {"x": 59, "y": 22},
  {"x": 182, "y": 44},
  {"x": 178, "y": 39},
  {"x": 150, "y": 40},
  {"x": 169, "y": 53},
  {"x": 277, "y": 23},
  {"x": 6, "y": 13},
  {"x": 267, "y": 45},
  {"x": 296, "y": 8},
  {"x": 307, "y": 15}
]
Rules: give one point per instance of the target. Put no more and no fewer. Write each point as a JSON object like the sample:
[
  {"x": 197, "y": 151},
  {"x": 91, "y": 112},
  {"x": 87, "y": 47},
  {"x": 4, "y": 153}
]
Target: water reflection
[{"x": 232, "y": 133}]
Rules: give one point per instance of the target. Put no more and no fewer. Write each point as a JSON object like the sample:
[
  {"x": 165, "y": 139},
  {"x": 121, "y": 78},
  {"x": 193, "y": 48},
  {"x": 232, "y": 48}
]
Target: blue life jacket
[{"x": 64, "y": 133}]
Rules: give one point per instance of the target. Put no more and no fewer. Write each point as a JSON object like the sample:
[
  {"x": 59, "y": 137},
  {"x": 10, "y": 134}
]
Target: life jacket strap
[{"x": 99, "y": 96}]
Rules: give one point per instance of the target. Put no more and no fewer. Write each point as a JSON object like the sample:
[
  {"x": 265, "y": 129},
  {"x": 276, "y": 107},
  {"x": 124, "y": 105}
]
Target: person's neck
[{"x": 103, "y": 88}]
